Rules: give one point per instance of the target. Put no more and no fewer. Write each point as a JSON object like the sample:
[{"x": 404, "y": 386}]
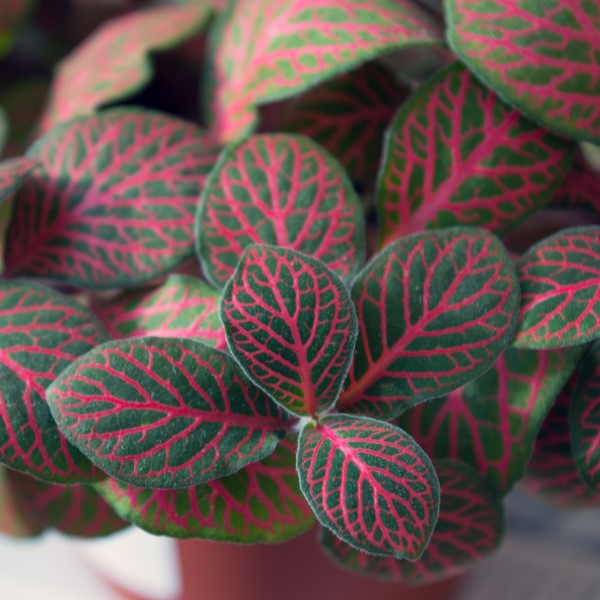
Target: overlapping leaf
[
  {"x": 114, "y": 201},
  {"x": 560, "y": 289},
  {"x": 291, "y": 325},
  {"x": 492, "y": 422},
  {"x": 585, "y": 419},
  {"x": 581, "y": 188},
  {"x": 470, "y": 527},
  {"x": 113, "y": 62},
  {"x": 552, "y": 472},
  {"x": 72, "y": 509},
  {"x": 434, "y": 311},
  {"x": 283, "y": 190},
  {"x": 13, "y": 173},
  {"x": 181, "y": 307},
  {"x": 41, "y": 333},
  {"x": 544, "y": 57},
  {"x": 348, "y": 116},
  {"x": 260, "y": 503},
  {"x": 370, "y": 483},
  {"x": 14, "y": 520},
  {"x": 263, "y": 51},
  {"x": 164, "y": 412},
  {"x": 457, "y": 155}
]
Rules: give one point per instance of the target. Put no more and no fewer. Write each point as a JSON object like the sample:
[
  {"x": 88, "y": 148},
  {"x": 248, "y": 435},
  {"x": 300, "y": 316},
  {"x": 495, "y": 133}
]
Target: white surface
[{"x": 54, "y": 567}]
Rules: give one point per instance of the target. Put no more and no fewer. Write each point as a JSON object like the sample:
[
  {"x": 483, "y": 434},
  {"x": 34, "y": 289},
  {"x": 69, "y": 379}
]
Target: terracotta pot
[{"x": 296, "y": 570}]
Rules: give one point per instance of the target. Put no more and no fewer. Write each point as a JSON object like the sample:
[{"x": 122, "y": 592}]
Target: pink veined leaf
[
  {"x": 369, "y": 483},
  {"x": 164, "y": 412},
  {"x": 457, "y": 155},
  {"x": 260, "y": 503},
  {"x": 15, "y": 521},
  {"x": 183, "y": 306},
  {"x": 560, "y": 290},
  {"x": 492, "y": 422},
  {"x": 434, "y": 311},
  {"x": 581, "y": 188},
  {"x": 585, "y": 419},
  {"x": 348, "y": 116},
  {"x": 41, "y": 333},
  {"x": 552, "y": 472},
  {"x": 113, "y": 62},
  {"x": 264, "y": 50},
  {"x": 291, "y": 326},
  {"x": 13, "y": 173},
  {"x": 114, "y": 201},
  {"x": 282, "y": 190},
  {"x": 543, "y": 57},
  {"x": 470, "y": 527},
  {"x": 72, "y": 509}
]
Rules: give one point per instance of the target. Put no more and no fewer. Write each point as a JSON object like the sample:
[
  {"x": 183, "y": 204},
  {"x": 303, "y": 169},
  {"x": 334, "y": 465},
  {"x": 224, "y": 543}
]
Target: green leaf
[
  {"x": 370, "y": 483},
  {"x": 263, "y": 51},
  {"x": 543, "y": 57},
  {"x": 260, "y": 503},
  {"x": 457, "y": 155},
  {"x": 164, "y": 412},
  {"x": 560, "y": 289},
  {"x": 436, "y": 310},
  {"x": 282, "y": 190}
]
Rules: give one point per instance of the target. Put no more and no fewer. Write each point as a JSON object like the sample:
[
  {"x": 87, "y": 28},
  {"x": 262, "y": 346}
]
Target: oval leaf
[
  {"x": 181, "y": 307},
  {"x": 113, "y": 62},
  {"x": 114, "y": 203},
  {"x": 264, "y": 51},
  {"x": 492, "y": 422},
  {"x": 585, "y": 419},
  {"x": 560, "y": 290},
  {"x": 282, "y": 190},
  {"x": 436, "y": 309},
  {"x": 370, "y": 483},
  {"x": 291, "y": 326},
  {"x": 552, "y": 472},
  {"x": 261, "y": 503},
  {"x": 76, "y": 510},
  {"x": 41, "y": 333},
  {"x": 13, "y": 174},
  {"x": 348, "y": 116},
  {"x": 457, "y": 155},
  {"x": 543, "y": 57},
  {"x": 164, "y": 413},
  {"x": 470, "y": 527}
]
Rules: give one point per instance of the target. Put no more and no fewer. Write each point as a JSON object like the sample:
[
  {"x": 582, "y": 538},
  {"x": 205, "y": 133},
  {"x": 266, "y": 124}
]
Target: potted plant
[{"x": 356, "y": 296}]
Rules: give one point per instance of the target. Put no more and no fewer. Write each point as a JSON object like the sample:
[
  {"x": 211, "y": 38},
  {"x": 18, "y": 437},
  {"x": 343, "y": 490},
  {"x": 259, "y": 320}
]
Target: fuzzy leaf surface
[
  {"x": 260, "y": 503},
  {"x": 543, "y": 57},
  {"x": 470, "y": 527},
  {"x": 560, "y": 290},
  {"x": 13, "y": 174},
  {"x": 455, "y": 154},
  {"x": 492, "y": 422},
  {"x": 585, "y": 419},
  {"x": 113, "y": 62},
  {"x": 41, "y": 333},
  {"x": 282, "y": 190},
  {"x": 370, "y": 483},
  {"x": 164, "y": 412},
  {"x": 76, "y": 510},
  {"x": 291, "y": 326},
  {"x": 114, "y": 202},
  {"x": 183, "y": 306},
  {"x": 264, "y": 51},
  {"x": 348, "y": 116},
  {"x": 434, "y": 311},
  {"x": 552, "y": 472}
]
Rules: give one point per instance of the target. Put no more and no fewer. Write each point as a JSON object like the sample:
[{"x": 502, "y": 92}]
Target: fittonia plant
[{"x": 347, "y": 298}]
